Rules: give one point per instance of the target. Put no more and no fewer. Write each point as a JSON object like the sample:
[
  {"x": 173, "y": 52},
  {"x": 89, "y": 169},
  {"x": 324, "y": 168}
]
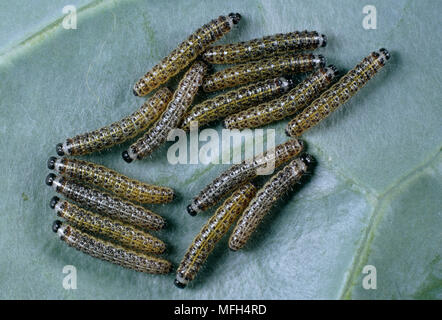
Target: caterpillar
[
  {"x": 241, "y": 173},
  {"x": 110, "y": 252},
  {"x": 265, "y": 47},
  {"x": 103, "y": 203},
  {"x": 261, "y": 69},
  {"x": 266, "y": 197},
  {"x": 171, "y": 117},
  {"x": 185, "y": 53},
  {"x": 235, "y": 100},
  {"x": 119, "y": 131},
  {"x": 338, "y": 94},
  {"x": 111, "y": 180},
  {"x": 211, "y": 233},
  {"x": 115, "y": 230},
  {"x": 286, "y": 105}
]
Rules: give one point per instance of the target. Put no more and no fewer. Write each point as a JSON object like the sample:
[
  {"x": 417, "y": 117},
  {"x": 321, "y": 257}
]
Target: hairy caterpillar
[
  {"x": 185, "y": 53},
  {"x": 266, "y": 197},
  {"x": 235, "y": 100},
  {"x": 103, "y": 203},
  {"x": 110, "y": 252},
  {"x": 241, "y": 173},
  {"x": 111, "y": 180},
  {"x": 338, "y": 94},
  {"x": 262, "y": 69},
  {"x": 170, "y": 119},
  {"x": 286, "y": 105},
  {"x": 119, "y": 131},
  {"x": 212, "y": 232},
  {"x": 118, "y": 231},
  {"x": 265, "y": 47}
]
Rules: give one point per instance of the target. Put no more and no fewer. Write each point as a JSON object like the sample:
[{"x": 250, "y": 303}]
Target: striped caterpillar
[
  {"x": 103, "y": 203},
  {"x": 286, "y": 105},
  {"x": 269, "y": 46},
  {"x": 211, "y": 233},
  {"x": 262, "y": 69},
  {"x": 338, "y": 94},
  {"x": 119, "y": 131},
  {"x": 115, "y": 230},
  {"x": 266, "y": 197},
  {"x": 235, "y": 100},
  {"x": 111, "y": 180},
  {"x": 110, "y": 252},
  {"x": 241, "y": 173},
  {"x": 185, "y": 53},
  {"x": 170, "y": 119}
]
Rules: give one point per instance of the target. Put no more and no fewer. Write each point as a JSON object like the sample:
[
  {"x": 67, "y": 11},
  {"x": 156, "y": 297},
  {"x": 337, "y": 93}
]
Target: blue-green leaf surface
[{"x": 374, "y": 199}]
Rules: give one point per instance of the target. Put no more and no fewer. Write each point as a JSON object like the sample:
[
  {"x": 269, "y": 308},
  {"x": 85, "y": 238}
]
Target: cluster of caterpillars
[{"x": 104, "y": 213}]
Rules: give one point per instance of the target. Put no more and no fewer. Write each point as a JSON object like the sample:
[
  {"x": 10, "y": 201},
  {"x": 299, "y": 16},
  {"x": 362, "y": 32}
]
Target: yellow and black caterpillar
[
  {"x": 111, "y": 180},
  {"x": 115, "y": 230},
  {"x": 185, "y": 53},
  {"x": 110, "y": 252},
  {"x": 106, "y": 204},
  {"x": 286, "y": 105},
  {"x": 262, "y": 69},
  {"x": 266, "y": 197},
  {"x": 241, "y": 173},
  {"x": 212, "y": 232},
  {"x": 269, "y": 46},
  {"x": 235, "y": 101},
  {"x": 338, "y": 94},
  {"x": 119, "y": 131},
  {"x": 171, "y": 117}
]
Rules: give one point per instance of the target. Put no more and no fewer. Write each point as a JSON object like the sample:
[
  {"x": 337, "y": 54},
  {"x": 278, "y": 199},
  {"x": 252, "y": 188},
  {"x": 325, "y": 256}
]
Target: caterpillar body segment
[
  {"x": 269, "y": 46},
  {"x": 171, "y": 117},
  {"x": 288, "y": 104},
  {"x": 110, "y": 252},
  {"x": 106, "y": 204},
  {"x": 235, "y": 101},
  {"x": 338, "y": 94},
  {"x": 111, "y": 180},
  {"x": 266, "y": 197},
  {"x": 185, "y": 53},
  {"x": 241, "y": 173},
  {"x": 212, "y": 232},
  {"x": 262, "y": 69},
  {"x": 117, "y": 132},
  {"x": 113, "y": 229}
]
